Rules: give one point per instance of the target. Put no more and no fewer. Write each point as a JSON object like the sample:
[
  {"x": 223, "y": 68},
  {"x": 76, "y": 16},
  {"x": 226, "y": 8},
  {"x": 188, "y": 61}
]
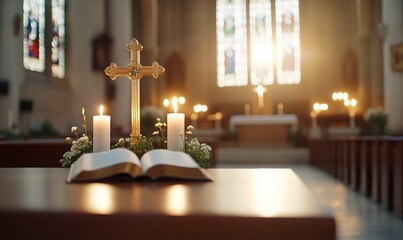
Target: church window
[
  {"x": 258, "y": 42},
  {"x": 34, "y": 35},
  {"x": 231, "y": 48},
  {"x": 37, "y": 22},
  {"x": 57, "y": 38}
]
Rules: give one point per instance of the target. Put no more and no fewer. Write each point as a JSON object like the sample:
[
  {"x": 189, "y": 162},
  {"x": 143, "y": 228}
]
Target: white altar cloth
[{"x": 287, "y": 119}]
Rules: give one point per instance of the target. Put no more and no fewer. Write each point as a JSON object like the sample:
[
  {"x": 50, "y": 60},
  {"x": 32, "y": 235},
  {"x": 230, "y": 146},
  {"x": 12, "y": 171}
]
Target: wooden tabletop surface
[{"x": 261, "y": 202}]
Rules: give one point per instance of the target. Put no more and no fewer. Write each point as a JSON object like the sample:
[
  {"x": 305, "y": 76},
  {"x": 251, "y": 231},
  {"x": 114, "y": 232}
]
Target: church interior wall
[
  {"x": 335, "y": 57},
  {"x": 393, "y": 88},
  {"x": 57, "y": 101},
  {"x": 10, "y": 64}
]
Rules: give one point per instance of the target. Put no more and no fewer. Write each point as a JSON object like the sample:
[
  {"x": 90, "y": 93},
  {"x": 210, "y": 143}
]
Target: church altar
[
  {"x": 239, "y": 204},
  {"x": 264, "y": 129}
]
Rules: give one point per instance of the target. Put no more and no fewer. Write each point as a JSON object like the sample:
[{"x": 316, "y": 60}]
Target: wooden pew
[
  {"x": 354, "y": 160},
  {"x": 398, "y": 177},
  {"x": 387, "y": 164},
  {"x": 345, "y": 148},
  {"x": 32, "y": 153},
  {"x": 376, "y": 169},
  {"x": 372, "y": 165},
  {"x": 366, "y": 165},
  {"x": 332, "y": 157}
]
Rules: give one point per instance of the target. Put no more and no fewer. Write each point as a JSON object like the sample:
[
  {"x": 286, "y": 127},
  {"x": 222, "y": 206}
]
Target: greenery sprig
[{"x": 79, "y": 146}]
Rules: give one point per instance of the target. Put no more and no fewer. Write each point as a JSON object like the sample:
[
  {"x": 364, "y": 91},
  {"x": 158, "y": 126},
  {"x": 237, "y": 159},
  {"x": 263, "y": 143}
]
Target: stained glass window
[
  {"x": 232, "y": 43},
  {"x": 261, "y": 42},
  {"x": 274, "y": 42},
  {"x": 287, "y": 41},
  {"x": 35, "y": 28},
  {"x": 58, "y": 34},
  {"x": 34, "y": 35}
]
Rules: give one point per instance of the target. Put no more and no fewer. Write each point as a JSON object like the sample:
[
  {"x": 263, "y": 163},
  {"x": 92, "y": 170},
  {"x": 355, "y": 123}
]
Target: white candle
[
  {"x": 352, "y": 119},
  {"x": 314, "y": 120},
  {"x": 176, "y": 130},
  {"x": 102, "y": 131}
]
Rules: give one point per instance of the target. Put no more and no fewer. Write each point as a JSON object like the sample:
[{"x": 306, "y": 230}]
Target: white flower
[
  {"x": 83, "y": 140},
  {"x": 73, "y": 146},
  {"x": 156, "y": 133},
  {"x": 73, "y": 128},
  {"x": 127, "y": 139},
  {"x": 158, "y": 124},
  {"x": 121, "y": 141},
  {"x": 68, "y": 140}
]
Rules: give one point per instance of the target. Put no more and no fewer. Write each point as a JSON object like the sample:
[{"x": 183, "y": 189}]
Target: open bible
[{"x": 120, "y": 162}]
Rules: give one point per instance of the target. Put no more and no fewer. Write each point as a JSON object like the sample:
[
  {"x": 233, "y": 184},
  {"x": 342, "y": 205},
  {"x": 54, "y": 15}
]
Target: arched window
[
  {"x": 35, "y": 41},
  {"x": 258, "y": 42}
]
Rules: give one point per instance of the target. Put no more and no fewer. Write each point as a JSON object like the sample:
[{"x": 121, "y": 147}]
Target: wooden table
[{"x": 239, "y": 204}]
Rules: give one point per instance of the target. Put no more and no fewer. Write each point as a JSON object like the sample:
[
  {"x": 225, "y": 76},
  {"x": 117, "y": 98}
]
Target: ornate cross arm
[
  {"x": 155, "y": 70},
  {"x": 114, "y": 71},
  {"x": 131, "y": 72}
]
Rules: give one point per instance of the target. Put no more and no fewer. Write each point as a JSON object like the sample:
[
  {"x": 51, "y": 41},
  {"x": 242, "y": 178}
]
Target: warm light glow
[
  {"x": 166, "y": 102},
  {"x": 353, "y": 102},
  {"x": 317, "y": 107},
  {"x": 313, "y": 114},
  {"x": 99, "y": 198},
  {"x": 218, "y": 116},
  {"x": 339, "y": 96},
  {"x": 334, "y": 96},
  {"x": 214, "y": 117},
  {"x": 101, "y": 110},
  {"x": 263, "y": 203},
  {"x": 260, "y": 90},
  {"x": 200, "y": 108},
  {"x": 174, "y": 102},
  {"x": 177, "y": 200},
  {"x": 182, "y": 100}
]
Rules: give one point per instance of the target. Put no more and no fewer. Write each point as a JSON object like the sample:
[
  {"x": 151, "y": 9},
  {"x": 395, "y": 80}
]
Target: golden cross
[{"x": 134, "y": 71}]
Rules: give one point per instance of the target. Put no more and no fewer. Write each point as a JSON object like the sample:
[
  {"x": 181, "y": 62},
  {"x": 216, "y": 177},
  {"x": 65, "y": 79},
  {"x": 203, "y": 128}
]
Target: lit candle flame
[
  {"x": 175, "y": 101},
  {"x": 353, "y": 102},
  {"x": 181, "y": 100},
  {"x": 175, "y": 107},
  {"x": 101, "y": 110},
  {"x": 166, "y": 102}
]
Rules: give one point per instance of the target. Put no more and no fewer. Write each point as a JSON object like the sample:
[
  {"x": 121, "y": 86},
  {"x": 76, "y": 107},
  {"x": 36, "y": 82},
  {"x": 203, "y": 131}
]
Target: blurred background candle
[
  {"x": 176, "y": 129},
  {"x": 102, "y": 131}
]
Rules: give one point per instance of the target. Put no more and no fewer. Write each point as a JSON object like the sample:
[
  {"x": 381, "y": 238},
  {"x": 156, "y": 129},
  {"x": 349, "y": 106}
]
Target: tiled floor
[{"x": 357, "y": 217}]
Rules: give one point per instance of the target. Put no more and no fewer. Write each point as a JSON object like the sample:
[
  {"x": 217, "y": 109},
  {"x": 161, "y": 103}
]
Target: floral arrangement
[
  {"x": 200, "y": 152},
  {"x": 377, "y": 119}
]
